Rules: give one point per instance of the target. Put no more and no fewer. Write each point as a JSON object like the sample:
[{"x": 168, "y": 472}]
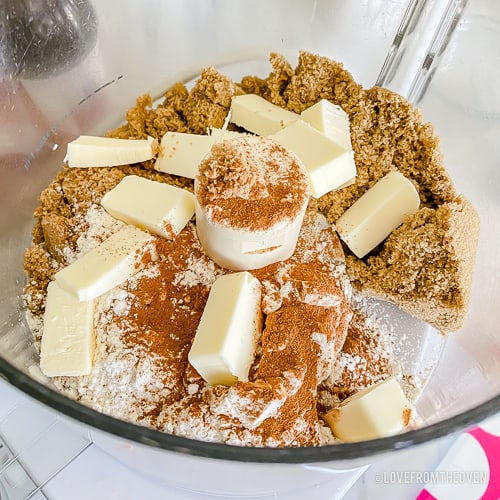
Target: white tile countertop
[{"x": 43, "y": 457}]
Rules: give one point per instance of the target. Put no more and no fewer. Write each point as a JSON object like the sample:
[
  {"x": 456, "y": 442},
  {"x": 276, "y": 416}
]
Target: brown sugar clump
[
  {"x": 425, "y": 266},
  {"x": 314, "y": 78},
  {"x": 195, "y": 111},
  {"x": 40, "y": 268},
  {"x": 84, "y": 188},
  {"x": 319, "y": 78},
  {"x": 208, "y": 103},
  {"x": 56, "y": 233},
  {"x": 135, "y": 128}
]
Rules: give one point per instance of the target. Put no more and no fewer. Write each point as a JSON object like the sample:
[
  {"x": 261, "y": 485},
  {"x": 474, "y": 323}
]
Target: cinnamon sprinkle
[
  {"x": 299, "y": 345},
  {"x": 251, "y": 183}
]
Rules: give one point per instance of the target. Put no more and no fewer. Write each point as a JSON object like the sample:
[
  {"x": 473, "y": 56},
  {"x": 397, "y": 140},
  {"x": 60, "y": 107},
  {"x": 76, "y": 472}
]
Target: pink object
[
  {"x": 425, "y": 495},
  {"x": 490, "y": 443},
  {"x": 474, "y": 459}
]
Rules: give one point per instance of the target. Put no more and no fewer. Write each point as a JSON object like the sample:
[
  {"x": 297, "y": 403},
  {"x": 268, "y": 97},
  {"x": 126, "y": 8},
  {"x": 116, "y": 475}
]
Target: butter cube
[
  {"x": 90, "y": 151},
  {"x": 331, "y": 120},
  {"x": 329, "y": 166},
  {"x": 226, "y": 338},
  {"x": 377, "y": 411},
  {"x": 377, "y": 213},
  {"x": 67, "y": 347},
  {"x": 108, "y": 265},
  {"x": 259, "y": 116},
  {"x": 182, "y": 152},
  {"x": 154, "y": 206}
]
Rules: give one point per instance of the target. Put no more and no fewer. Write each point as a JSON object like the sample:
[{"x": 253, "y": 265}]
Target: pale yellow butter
[
  {"x": 183, "y": 152},
  {"x": 259, "y": 116},
  {"x": 225, "y": 341},
  {"x": 108, "y": 265},
  {"x": 377, "y": 411},
  {"x": 154, "y": 206},
  {"x": 90, "y": 151},
  {"x": 67, "y": 347},
  {"x": 377, "y": 213},
  {"x": 329, "y": 165},
  {"x": 331, "y": 120}
]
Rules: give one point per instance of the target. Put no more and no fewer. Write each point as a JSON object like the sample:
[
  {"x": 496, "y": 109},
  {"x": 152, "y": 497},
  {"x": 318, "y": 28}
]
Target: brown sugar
[
  {"x": 388, "y": 133},
  {"x": 425, "y": 266},
  {"x": 208, "y": 103},
  {"x": 40, "y": 267},
  {"x": 205, "y": 106}
]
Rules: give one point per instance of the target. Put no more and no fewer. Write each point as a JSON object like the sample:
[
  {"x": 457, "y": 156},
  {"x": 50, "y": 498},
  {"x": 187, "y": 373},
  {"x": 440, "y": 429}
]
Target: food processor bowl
[{"x": 84, "y": 67}]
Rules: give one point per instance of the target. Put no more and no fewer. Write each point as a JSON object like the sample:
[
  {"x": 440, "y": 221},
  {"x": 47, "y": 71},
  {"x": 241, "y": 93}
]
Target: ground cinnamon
[
  {"x": 299, "y": 344},
  {"x": 251, "y": 183}
]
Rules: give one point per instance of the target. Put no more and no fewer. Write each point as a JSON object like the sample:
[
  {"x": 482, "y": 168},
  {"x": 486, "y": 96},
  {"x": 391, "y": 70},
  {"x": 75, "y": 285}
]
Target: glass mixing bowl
[{"x": 73, "y": 67}]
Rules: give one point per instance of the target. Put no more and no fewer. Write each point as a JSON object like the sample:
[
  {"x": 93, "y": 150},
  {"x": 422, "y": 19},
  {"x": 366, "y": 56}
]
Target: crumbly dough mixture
[{"x": 425, "y": 266}]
